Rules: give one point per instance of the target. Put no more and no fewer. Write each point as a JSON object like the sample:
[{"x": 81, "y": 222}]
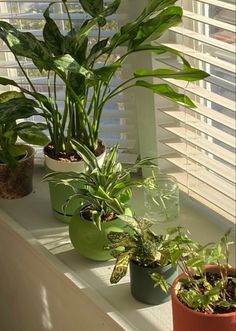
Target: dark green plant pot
[
  {"x": 142, "y": 285},
  {"x": 88, "y": 240}
]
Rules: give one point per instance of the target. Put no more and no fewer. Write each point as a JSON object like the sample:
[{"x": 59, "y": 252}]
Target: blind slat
[
  {"x": 201, "y": 192},
  {"x": 204, "y": 93},
  {"x": 202, "y": 38},
  {"x": 201, "y": 142},
  {"x": 208, "y": 178},
  {"x": 202, "y": 126},
  {"x": 207, "y": 20},
  {"x": 199, "y": 157},
  {"x": 208, "y": 113},
  {"x": 203, "y": 57},
  {"x": 221, "y": 4}
]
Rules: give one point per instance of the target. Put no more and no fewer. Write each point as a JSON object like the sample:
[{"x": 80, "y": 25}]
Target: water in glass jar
[{"x": 161, "y": 198}]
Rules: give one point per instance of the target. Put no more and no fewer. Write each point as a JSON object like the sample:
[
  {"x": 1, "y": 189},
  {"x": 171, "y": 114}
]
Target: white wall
[{"x": 35, "y": 296}]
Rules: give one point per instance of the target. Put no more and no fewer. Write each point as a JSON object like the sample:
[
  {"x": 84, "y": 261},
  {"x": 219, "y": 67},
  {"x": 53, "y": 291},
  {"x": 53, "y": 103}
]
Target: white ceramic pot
[{"x": 60, "y": 193}]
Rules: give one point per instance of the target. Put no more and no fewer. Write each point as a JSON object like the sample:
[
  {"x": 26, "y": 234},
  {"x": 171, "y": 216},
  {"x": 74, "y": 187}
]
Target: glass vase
[{"x": 161, "y": 198}]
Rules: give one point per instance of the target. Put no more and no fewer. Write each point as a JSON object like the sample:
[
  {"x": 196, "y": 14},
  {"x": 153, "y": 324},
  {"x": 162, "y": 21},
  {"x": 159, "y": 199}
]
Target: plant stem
[{"x": 68, "y": 14}]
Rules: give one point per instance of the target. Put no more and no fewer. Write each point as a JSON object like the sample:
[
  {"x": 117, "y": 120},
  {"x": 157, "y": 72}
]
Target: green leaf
[
  {"x": 155, "y": 27},
  {"x": 107, "y": 72},
  {"x": 120, "y": 238},
  {"x": 88, "y": 157},
  {"x": 99, "y": 46},
  {"x": 17, "y": 108},
  {"x": 96, "y": 218},
  {"x": 189, "y": 74},
  {"x": 115, "y": 205},
  {"x": 17, "y": 150},
  {"x": 6, "y": 96},
  {"x": 157, "y": 5},
  {"x": 112, "y": 8},
  {"x": 76, "y": 45},
  {"x": 159, "y": 50},
  {"x": 167, "y": 91},
  {"x": 110, "y": 160},
  {"x": 120, "y": 268},
  {"x": 102, "y": 194},
  {"x": 92, "y": 7},
  {"x": 6, "y": 81},
  {"x": 125, "y": 196},
  {"x": 67, "y": 63},
  {"x": 51, "y": 33},
  {"x": 26, "y": 44},
  {"x": 130, "y": 30},
  {"x": 160, "y": 281},
  {"x": 24, "y": 125},
  {"x": 33, "y": 135},
  {"x": 78, "y": 84}
]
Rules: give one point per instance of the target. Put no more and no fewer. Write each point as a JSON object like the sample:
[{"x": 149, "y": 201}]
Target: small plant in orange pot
[{"x": 204, "y": 295}]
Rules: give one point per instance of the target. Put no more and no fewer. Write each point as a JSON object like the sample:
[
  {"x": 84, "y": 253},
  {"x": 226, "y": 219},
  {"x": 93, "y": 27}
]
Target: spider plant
[{"x": 102, "y": 191}]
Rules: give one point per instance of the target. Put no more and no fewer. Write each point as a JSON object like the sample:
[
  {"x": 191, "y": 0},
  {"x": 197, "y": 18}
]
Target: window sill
[{"x": 31, "y": 218}]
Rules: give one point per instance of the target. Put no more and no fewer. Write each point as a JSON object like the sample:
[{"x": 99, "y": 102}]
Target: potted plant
[
  {"x": 16, "y": 159},
  {"x": 105, "y": 193},
  {"x": 87, "y": 71},
  {"x": 204, "y": 295},
  {"x": 148, "y": 255}
]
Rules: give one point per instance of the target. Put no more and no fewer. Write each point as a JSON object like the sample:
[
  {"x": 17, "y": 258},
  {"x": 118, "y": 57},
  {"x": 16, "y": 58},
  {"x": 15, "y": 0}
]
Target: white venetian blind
[
  {"x": 198, "y": 145},
  {"x": 118, "y": 121}
]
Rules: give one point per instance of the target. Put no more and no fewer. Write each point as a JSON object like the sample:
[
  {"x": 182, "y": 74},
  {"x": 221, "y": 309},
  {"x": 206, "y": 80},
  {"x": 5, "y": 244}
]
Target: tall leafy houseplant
[
  {"x": 16, "y": 159},
  {"x": 87, "y": 70}
]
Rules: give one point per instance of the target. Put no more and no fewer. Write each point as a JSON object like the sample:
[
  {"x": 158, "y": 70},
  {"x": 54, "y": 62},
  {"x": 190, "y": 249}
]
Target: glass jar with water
[{"x": 161, "y": 198}]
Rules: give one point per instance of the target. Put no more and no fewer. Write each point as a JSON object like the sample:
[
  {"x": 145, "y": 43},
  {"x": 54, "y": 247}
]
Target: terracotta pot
[
  {"x": 186, "y": 319},
  {"x": 60, "y": 193},
  {"x": 142, "y": 285},
  {"x": 17, "y": 184}
]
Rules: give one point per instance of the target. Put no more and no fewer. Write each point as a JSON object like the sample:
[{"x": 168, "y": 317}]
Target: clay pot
[
  {"x": 17, "y": 184},
  {"x": 186, "y": 319}
]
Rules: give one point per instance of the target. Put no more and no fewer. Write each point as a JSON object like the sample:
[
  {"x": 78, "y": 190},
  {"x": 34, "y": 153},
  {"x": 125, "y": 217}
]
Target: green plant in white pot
[
  {"x": 87, "y": 69},
  {"x": 105, "y": 194},
  {"x": 16, "y": 159},
  {"x": 148, "y": 256}
]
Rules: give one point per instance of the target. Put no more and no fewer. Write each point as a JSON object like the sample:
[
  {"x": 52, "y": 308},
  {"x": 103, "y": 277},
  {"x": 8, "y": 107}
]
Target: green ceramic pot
[
  {"x": 59, "y": 195},
  {"x": 88, "y": 240},
  {"x": 142, "y": 285}
]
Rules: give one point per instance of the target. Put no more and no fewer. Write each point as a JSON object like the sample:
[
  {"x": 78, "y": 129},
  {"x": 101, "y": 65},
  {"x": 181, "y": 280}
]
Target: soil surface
[
  {"x": 72, "y": 157},
  {"x": 105, "y": 218},
  {"x": 230, "y": 291}
]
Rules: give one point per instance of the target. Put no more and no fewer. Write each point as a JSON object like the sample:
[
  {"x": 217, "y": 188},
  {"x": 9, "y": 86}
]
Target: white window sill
[{"x": 31, "y": 217}]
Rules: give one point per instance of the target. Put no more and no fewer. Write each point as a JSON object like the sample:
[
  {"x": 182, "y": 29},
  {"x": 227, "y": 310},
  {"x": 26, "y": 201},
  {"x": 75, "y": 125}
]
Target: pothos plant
[
  {"x": 14, "y": 107},
  {"x": 102, "y": 191},
  {"x": 87, "y": 65},
  {"x": 201, "y": 290},
  {"x": 140, "y": 245}
]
